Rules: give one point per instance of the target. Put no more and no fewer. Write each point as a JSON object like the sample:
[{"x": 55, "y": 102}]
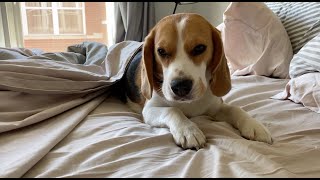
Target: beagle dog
[{"x": 181, "y": 72}]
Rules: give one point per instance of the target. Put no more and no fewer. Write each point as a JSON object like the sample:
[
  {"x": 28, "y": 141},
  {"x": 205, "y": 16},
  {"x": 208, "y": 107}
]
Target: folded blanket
[
  {"x": 31, "y": 83},
  {"x": 45, "y": 95}
]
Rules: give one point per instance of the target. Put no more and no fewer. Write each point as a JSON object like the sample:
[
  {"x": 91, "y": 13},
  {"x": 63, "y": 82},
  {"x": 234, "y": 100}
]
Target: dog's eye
[
  {"x": 198, "y": 49},
  {"x": 162, "y": 52}
]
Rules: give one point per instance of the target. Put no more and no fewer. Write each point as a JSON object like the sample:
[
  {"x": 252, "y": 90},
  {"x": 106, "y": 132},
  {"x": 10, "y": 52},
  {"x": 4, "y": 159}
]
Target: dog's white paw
[
  {"x": 254, "y": 130},
  {"x": 188, "y": 136}
]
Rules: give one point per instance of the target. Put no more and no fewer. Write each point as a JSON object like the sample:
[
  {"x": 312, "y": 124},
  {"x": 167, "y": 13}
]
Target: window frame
[{"x": 55, "y": 19}]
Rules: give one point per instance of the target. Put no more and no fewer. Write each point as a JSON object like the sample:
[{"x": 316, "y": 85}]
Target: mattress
[{"x": 112, "y": 141}]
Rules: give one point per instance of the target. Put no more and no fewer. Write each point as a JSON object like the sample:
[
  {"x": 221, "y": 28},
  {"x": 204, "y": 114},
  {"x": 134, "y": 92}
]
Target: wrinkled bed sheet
[
  {"x": 43, "y": 96},
  {"x": 112, "y": 141}
]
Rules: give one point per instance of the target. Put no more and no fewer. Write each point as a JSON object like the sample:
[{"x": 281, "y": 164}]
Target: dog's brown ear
[
  {"x": 220, "y": 83},
  {"x": 147, "y": 66}
]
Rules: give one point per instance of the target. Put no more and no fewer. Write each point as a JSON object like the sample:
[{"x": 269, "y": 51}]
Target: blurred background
[{"x": 52, "y": 26}]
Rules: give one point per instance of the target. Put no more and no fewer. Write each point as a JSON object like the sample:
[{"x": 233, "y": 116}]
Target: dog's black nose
[{"x": 181, "y": 87}]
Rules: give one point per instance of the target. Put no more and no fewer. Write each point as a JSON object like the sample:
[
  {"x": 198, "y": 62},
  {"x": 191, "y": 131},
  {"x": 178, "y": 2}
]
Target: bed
[{"x": 59, "y": 118}]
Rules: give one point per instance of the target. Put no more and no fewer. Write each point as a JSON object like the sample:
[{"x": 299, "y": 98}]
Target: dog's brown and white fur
[{"x": 183, "y": 73}]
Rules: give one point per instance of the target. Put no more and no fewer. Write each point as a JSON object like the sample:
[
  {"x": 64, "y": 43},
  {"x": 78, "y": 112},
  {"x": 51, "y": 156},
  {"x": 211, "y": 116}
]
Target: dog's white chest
[
  {"x": 199, "y": 107},
  {"x": 195, "y": 108}
]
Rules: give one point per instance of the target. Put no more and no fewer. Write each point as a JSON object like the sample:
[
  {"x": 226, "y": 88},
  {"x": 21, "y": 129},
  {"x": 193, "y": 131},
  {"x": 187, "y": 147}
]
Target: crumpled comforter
[{"x": 43, "y": 96}]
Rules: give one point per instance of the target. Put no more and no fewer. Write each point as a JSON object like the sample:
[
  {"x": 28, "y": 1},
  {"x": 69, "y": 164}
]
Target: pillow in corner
[
  {"x": 307, "y": 59},
  {"x": 300, "y": 19},
  {"x": 303, "y": 90},
  {"x": 304, "y": 87},
  {"x": 255, "y": 41}
]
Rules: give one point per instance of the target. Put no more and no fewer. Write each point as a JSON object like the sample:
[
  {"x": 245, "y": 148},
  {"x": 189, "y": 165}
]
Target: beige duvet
[
  {"x": 113, "y": 142},
  {"x": 87, "y": 133}
]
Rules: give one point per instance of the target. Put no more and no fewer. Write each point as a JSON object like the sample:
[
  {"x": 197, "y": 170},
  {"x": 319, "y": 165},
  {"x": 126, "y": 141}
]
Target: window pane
[
  {"x": 74, "y": 26},
  {"x": 70, "y": 21},
  {"x": 70, "y": 4},
  {"x": 38, "y": 4},
  {"x": 40, "y": 21}
]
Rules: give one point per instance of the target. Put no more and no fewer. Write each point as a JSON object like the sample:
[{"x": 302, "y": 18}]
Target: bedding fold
[
  {"x": 39, "y": 86},
  {"x": 22, "y": 149},
  {"x": 113, "y": 142},
  {"x": 43, "y": 96}
]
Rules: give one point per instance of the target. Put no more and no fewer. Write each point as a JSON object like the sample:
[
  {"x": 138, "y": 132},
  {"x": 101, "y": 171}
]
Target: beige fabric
[
  {"x": 32, "y": 90},
  {"x": 23, "y": 148},
  {"x": 303, "y": 89},
  {"x": 113, "y": 142},
  {"x": 43, "y": 99},
  {"x": 255, "y": 41}
]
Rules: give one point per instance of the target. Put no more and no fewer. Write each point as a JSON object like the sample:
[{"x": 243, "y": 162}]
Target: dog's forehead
[
  {"x": 196, "y": 26},
  {"x": 192, "y": 23},
  {"x": 166, "y": 30},
  {"x": 190, "y": 29}
]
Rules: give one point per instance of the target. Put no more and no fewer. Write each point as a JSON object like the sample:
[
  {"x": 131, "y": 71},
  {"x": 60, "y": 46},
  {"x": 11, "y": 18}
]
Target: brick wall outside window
[{"x": 96, "y": 30}]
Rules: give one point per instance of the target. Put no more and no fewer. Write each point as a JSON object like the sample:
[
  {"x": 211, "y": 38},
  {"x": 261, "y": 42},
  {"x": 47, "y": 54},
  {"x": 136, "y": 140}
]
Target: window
[
  {"x": 55, "y": 18},
  {"x": 53, "y": 26}
]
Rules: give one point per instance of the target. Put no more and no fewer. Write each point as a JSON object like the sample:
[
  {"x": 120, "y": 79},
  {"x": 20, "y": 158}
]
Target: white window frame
[
  {"x": 55, "y": 18},
  {"x": 110, "y": 23}
]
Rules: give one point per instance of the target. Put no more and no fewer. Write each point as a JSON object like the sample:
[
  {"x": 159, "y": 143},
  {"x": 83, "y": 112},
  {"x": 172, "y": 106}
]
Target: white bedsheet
[{"x": 113, "y": 142}]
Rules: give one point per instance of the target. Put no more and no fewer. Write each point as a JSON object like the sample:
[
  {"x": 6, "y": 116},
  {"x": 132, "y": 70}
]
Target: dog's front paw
[
  {"x": 253, "y": 130},
  {"x": 188, "y": 136}
]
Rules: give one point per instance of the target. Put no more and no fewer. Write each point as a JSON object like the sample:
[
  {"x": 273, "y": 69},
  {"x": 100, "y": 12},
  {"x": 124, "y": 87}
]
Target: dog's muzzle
[{"x": 181, "y": 87}]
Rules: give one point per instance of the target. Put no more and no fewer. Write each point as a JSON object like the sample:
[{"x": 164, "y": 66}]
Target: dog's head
[{"x": 182, "y": 57}]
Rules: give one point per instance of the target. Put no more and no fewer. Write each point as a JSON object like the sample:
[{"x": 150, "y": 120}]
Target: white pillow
[
  {"x": 304, "y": 90},
  {"x": 304, "y": 87},
  {"x": 255, "y": 41}
]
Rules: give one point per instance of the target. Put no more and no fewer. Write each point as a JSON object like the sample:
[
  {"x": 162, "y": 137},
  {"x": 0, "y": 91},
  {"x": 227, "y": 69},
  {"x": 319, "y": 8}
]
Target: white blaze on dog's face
[{"x": 184, "y": 48}]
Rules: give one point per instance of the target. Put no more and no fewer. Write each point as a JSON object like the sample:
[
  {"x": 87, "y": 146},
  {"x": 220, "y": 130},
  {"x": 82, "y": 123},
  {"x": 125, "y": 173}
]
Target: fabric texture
[
  {"x": 307, "y": 59},
  {"x": 304, "y": 90},
  {"x": 133, "y": 20},
  {"x": 300, "y": 19},
  {"x": 255, "y": 41},
  {"x": 42, "y": 92},
  {"x": 112, "y": 141},
  {"x": 37, "y": 87},
  {"x": 304, "y": 86},
  {"x": 95, "y": 135}
]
